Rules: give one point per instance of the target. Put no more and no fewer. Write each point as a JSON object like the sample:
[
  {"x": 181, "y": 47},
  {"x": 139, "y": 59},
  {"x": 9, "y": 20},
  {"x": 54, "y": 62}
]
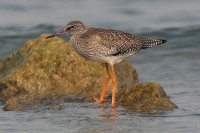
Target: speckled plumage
[{"x": 106, "y": 45}]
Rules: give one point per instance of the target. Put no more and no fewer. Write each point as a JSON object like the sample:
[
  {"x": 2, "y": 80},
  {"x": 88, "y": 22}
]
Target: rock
[
  {"x": 48, "y": 69},
  {"x": 146, "y": 98}
]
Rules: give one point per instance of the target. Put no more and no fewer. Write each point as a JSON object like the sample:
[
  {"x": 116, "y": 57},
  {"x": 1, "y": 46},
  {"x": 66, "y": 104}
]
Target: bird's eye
[{"x": 71, "y": 26}]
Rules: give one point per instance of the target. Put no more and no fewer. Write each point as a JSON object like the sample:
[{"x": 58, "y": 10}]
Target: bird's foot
[{"x": 98, "y": 101}]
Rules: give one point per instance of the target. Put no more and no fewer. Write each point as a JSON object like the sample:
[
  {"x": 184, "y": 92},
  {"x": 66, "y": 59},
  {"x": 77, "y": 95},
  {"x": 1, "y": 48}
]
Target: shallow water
[{"x": 175, "y": 65}]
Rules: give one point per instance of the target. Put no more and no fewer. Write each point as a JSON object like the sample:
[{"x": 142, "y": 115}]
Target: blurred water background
[{"x": 175, "y": 65}]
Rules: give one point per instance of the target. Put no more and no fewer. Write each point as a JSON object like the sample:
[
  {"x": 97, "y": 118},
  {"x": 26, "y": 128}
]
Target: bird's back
[
  {"x": 100, "y": 44},
  {"x": 111, "y": 40}
]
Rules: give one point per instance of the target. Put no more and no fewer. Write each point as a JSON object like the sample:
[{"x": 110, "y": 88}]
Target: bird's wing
[{"x": 116, "y": 42}]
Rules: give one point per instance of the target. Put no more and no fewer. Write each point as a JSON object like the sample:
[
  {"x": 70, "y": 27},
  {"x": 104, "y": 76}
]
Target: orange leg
[
  {"x": 103, "y": 93},
  {"x": 114, "y": 86}
]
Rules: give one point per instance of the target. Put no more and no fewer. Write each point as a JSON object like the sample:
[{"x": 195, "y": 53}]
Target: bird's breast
[{"x": 83, "y": 47}]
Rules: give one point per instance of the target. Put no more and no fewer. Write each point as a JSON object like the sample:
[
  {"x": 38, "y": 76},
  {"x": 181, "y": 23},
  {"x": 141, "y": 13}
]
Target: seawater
[{"x": 175, "y": 65}]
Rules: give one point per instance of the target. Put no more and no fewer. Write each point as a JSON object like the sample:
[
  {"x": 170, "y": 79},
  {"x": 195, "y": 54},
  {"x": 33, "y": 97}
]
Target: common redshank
[{"x": 107, "y": 46}]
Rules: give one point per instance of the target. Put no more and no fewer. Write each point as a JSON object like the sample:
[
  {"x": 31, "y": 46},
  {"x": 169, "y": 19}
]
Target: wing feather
[{"x": 113, "y": 42}]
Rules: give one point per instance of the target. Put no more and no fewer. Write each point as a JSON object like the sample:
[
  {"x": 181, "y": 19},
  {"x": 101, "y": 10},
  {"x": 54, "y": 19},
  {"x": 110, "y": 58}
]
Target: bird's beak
[{"x": 57, "y": 34}]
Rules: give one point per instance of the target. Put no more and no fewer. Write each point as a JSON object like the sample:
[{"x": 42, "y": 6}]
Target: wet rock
[
  {"x": 146, "y": 98},
  {"x": 48, "y": 69}
]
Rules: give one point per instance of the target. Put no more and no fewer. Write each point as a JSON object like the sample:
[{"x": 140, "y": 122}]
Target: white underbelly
[{"x": 116, "y": 59}]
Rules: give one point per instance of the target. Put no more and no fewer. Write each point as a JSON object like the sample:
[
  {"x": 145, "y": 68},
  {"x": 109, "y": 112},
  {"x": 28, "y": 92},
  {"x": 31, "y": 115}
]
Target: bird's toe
[{"x": 98, "y": 101}]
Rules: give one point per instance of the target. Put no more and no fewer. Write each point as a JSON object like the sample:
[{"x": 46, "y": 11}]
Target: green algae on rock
[
  {"x": 145, "y": 97},
  {"x": 49, "y": 69}
]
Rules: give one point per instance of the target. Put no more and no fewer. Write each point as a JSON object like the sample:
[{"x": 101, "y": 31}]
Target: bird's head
[{"x": 70, "y": 29}]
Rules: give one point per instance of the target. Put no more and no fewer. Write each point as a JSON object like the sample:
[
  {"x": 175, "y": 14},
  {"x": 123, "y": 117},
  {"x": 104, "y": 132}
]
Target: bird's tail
[{"x": 148, "y": 43}]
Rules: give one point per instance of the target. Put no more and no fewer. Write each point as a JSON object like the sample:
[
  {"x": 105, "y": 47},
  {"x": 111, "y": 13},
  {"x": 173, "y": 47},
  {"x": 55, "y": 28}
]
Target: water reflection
[{"x": 109, "y": 114}]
